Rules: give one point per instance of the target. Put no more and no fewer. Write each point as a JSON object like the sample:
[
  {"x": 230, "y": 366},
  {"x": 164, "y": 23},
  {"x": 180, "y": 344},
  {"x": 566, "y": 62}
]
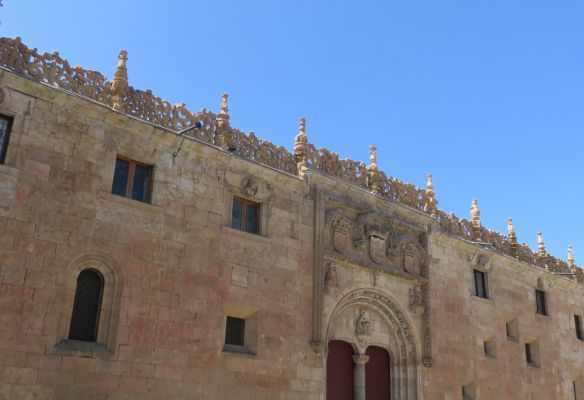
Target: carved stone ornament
[
  {"x": 416, "y": 303},
  {"x": 362, "y": 325},
  {"x": 250, "y": 186},
  {"x": 341, "y": 234},
  {"x": 411, "y": 260},
  {"x": 331, "y": 281},
  {"x": 2, "y": 95},
  {"x": 377, "y": 249}
]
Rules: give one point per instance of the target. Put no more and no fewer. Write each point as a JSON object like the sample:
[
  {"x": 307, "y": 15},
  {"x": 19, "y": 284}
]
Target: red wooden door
[
  {"x": 377, "y": 374},
  {"x": 339, "y": 371}
]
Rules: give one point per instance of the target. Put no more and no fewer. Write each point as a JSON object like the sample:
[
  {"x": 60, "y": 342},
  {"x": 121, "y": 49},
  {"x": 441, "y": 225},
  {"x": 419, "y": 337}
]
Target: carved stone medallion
[{"x": 250, "y": 186}]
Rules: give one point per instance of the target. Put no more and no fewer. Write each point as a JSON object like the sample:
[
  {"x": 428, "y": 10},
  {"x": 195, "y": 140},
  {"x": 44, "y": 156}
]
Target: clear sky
[{"x": 488, "y": 95}]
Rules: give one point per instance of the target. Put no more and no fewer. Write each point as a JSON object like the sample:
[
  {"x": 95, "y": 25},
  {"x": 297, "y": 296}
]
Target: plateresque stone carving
[{"x": 54, "y": 70}]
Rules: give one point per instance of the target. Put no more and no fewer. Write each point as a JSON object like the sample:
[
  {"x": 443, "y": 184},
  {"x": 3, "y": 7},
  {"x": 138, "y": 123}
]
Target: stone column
[{"x": 359, "y": 375}]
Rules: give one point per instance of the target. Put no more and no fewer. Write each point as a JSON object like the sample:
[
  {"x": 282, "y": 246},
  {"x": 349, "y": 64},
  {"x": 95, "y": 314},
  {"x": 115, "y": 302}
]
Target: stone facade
[{"x": 343, "y": 253}]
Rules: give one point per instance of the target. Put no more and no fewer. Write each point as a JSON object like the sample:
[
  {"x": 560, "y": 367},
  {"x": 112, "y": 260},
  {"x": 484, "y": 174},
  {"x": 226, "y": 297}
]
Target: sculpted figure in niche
[
  {"x": 330, "y": 278},
  {"x": 416, "y": 305},
  {"x": 362, "y": 324}
]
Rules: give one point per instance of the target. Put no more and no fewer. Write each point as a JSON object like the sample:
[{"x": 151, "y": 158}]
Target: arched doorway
[
  {"x": 385, "y": 362},
  {"x": 339, "y": 371},
  {"x": 377, "y": 374}
]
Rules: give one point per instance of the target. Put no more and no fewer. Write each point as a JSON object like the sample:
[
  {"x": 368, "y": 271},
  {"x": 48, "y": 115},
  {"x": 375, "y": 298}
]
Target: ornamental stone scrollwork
[{"x": 331, "y": 281}]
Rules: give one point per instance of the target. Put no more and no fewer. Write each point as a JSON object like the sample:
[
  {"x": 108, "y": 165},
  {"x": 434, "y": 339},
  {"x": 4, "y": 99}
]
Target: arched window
[{"x": 86, "y": 306}]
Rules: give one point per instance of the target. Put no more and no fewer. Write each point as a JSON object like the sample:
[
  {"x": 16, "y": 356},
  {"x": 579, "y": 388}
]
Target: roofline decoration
[{"x": 215, "y": 129}]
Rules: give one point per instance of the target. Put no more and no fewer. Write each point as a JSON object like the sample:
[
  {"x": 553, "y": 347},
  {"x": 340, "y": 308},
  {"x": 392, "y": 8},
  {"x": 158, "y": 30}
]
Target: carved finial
[
  {"x": 224, "y": 107},
  {"x": 429, "y": 185},
  {"x": 431, "y": 206},
  {"x": 301, "y": 147},
  {"x": 373, "y": 156},
  {"x": 571, "y": 262},
  {"x": 120, "y": 82},
  {"x": 223, "y": 124},
  {"x": 512, "y": 237},
  {"x": 475, "y": 214},
  {"x": 374, "y": 179},
  {"x": 541, "y": 244}
]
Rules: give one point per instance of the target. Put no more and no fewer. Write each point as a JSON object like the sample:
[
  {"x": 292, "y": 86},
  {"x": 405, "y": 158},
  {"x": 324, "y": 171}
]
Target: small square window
[
  {"x": 512, "y": 329},
  {"x": 235, "y": 331},
  {"x": 541, "y": 302},
  {"x": 480, "y": 284},
  {"x": 579, "y": 330},
  {"x": 532, "y": 353},
  {"x": 490, "y": 348},
  {"x": 245, "y": 215},
  {"x": 5, "y": 127},
  {"x": 132, "y": 179}
]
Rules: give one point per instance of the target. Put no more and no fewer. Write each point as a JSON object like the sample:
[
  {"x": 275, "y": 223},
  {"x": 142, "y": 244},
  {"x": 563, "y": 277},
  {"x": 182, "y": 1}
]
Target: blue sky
[{"x": 487, "y": 94}]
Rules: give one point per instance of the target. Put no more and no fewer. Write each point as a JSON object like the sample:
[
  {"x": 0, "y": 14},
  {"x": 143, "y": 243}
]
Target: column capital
[{"x": 360, "y": 359}]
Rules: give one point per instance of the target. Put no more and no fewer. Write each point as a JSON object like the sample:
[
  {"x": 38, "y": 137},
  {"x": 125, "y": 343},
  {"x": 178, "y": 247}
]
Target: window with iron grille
[
  {"x": 5, "y": 126},
  {"x": 245, "y": 215},
  {"x": 480, "y": 284},
  {"x": 86, "y": 306},
  {"x": 132, "y": 179},
  {"x": 541, "y": 302},
  {"x": 235, "y": 331}
]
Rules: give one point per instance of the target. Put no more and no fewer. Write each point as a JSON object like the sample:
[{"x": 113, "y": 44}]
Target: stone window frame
[
  {"x": 263, "y": 202},
  {"x": 133, "y": 163},
  {"x": 485, "y": 268},
  {"x": 532, "y": 353},
  {"x": 485, "y": 282},
  {"x": 105, "y": 345},
  {"x": 544, "y": 311},
  {"x": 540, "y": 287},
  {"x": 490, "y": 347},
  {"x": 512, "y": 330},
  {"x": 251, "y": 331},
  {"x": 4, "y": 148}
]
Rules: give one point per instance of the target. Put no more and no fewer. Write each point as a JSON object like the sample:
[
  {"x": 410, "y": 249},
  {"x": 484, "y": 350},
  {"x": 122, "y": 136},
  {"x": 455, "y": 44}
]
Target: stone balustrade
[{"x": 206, "y": 126}]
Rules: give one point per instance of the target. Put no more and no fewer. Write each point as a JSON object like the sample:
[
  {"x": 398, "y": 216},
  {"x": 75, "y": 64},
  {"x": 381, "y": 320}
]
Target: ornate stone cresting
[
  {"x": 52, "y": 69},
  {"x": 120, "y": 83},
  {"x": 301, "y": 147}
]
